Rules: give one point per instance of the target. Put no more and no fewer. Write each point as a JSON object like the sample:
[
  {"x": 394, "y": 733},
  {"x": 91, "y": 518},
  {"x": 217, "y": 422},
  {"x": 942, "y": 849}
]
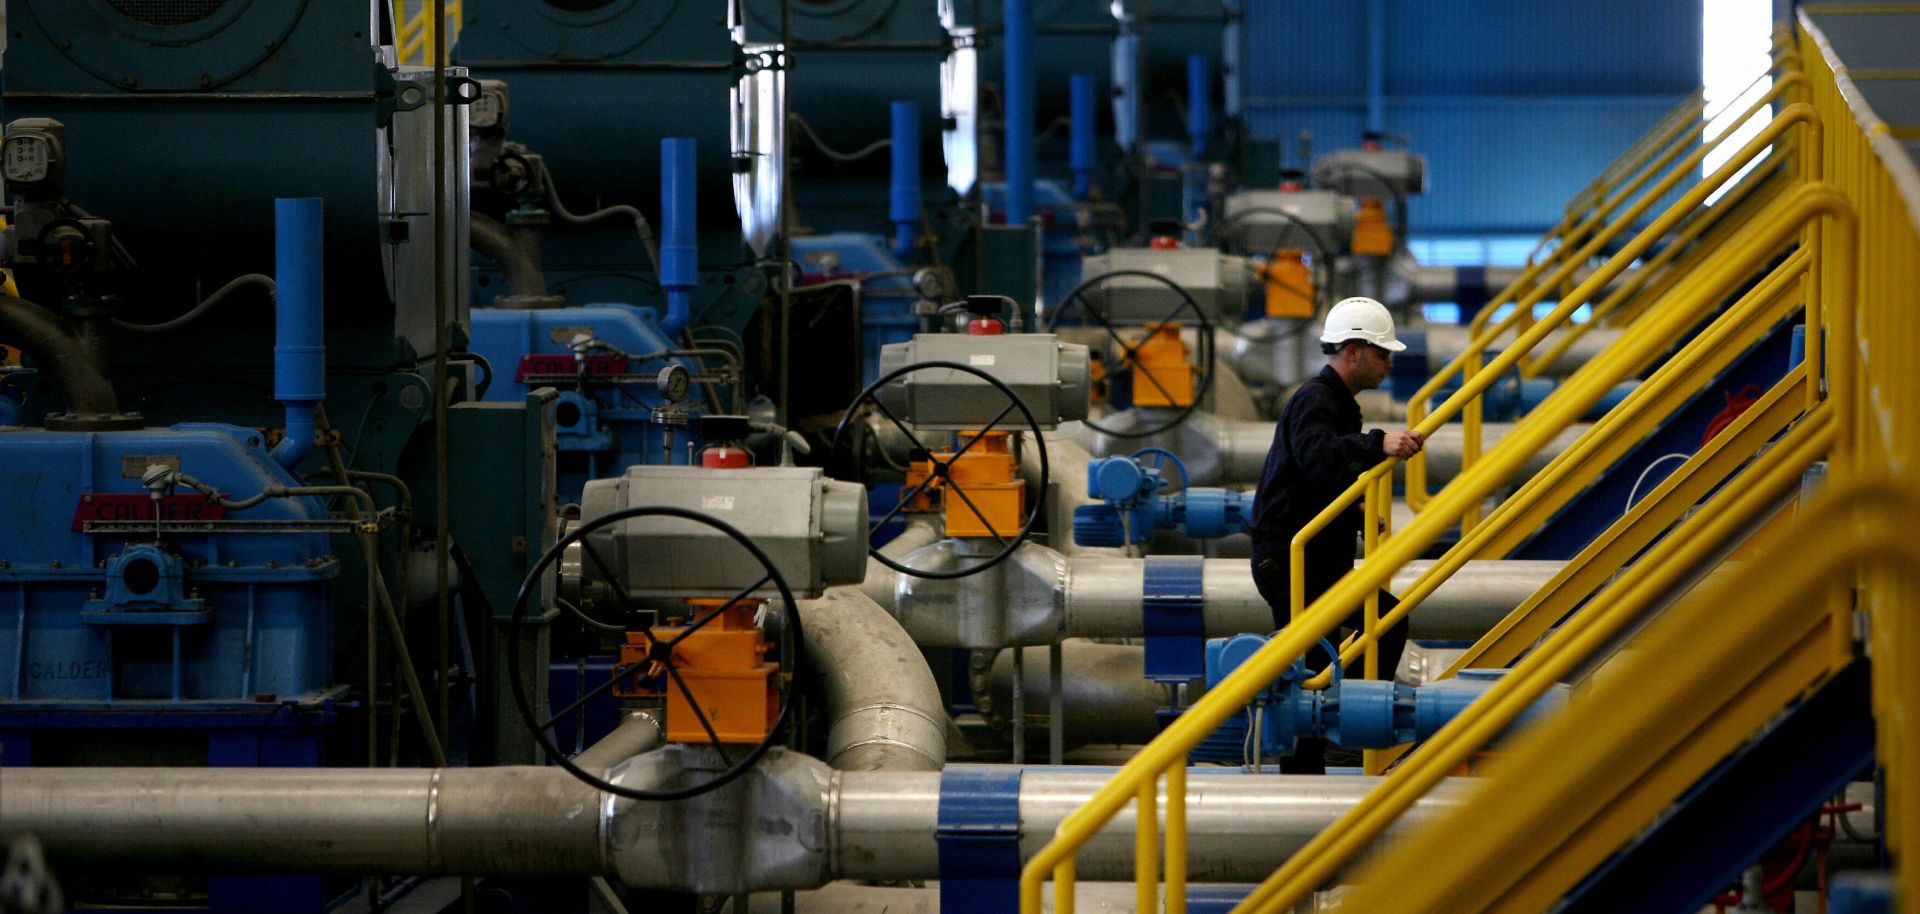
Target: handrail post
[
  {"x": 1146, "y": 846},
  {"x": 1176, "y": 867}
]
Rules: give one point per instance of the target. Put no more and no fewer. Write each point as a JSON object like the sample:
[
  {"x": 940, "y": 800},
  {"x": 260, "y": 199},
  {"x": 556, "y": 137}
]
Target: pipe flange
[
  {"x": 94, "y": 422},
  {"x": 979, "y": 669}
]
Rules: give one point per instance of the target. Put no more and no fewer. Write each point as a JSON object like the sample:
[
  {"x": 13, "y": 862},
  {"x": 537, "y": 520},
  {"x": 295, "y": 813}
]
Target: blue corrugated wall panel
[{"x": 1515, "y": 104}]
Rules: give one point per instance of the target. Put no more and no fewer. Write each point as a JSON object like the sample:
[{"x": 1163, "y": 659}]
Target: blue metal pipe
[
  {"x": 1081, "y": 133},
  {"x": 1376, "y": 65},
  {"x": 1126, "y": 85},
  {"x": 904, "y": 201},
  {"x": 299, "y": 344},
  {"x": 680, "y": 250},
  {"x": 1018, "y": 89},
  {"x": 1199, "y": 102}
]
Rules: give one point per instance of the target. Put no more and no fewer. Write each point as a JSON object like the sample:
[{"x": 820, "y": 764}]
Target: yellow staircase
[{"x": 1669, "y": 682}]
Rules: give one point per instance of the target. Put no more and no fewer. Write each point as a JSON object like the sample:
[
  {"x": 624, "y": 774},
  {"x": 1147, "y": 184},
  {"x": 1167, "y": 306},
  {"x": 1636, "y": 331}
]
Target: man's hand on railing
[{"x": 1403, "y": 444}]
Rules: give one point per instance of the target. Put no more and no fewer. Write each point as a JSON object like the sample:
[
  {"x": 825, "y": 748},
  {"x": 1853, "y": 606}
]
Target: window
[{"x": 1734, "y": 65}]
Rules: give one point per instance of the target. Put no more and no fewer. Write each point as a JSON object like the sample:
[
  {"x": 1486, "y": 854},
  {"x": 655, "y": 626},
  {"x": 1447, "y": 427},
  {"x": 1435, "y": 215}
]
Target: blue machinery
[
  {"x": 1354, "y": 713},
  {"x": 1134, "y": 510},
  {"x": 186, "y": 585}
]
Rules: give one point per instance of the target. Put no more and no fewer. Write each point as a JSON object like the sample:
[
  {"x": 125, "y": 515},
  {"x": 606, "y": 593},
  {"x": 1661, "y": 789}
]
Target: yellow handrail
[
  {"x": 1798, "y": 114},
  {"x": 413, "y": 30},
  {"x": 1326, "y": 612},
  {"x": 1828, "y": 431},
  {"x": 1596, "y": 626},
  {"x": 1693, "y": 108},
  {"x": 1651, "y": 282},
  {"x": 1872, "y": 165},
  {"x": 1693, "y": 671},
  {"x": 1468, "y": 363},
  {"x": 1542, "y": 496}
]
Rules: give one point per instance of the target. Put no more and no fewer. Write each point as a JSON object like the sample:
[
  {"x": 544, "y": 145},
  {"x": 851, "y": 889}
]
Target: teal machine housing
[
  {"x": 200, "y": 638},
  {"x": 594, "y": 87}
]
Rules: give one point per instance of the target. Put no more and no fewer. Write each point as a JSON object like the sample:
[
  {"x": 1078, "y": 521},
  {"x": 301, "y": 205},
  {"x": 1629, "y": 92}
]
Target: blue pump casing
[
  {"x": 197, "y": 621},
  {"x": 1355, "y": 713},
  {"x": 612, "y": 424},
  {"x": 1130, "y": 491}
]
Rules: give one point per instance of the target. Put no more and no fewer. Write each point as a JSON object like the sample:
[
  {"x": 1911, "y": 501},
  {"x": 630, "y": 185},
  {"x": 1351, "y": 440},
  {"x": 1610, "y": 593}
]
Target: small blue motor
[
  {"x": 1134, "y": 509},
  {"x": 1355, "y": 713}
]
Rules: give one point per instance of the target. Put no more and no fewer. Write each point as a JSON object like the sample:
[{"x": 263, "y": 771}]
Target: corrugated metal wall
[{"x": 1515, "y": 104}]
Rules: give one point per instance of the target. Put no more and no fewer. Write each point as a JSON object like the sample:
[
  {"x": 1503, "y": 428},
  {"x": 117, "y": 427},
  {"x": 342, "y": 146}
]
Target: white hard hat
[{"x": 1361, "y": 319}]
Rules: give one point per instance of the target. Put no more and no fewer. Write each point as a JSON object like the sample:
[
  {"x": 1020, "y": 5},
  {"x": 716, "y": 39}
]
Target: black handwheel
[
  {"x": 660, "y": 651},
  {"x": 941, "y": 468},
  {"x": 1128, "y": 351}
]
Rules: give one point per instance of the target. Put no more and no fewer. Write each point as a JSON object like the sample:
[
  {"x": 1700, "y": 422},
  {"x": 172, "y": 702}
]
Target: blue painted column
[
  {"x": 1081, "y": 131},
  {"x": 1126, "y": 85},
  {"x": 680, "y": 251},
  {"x": 1017, "y": 86},
  {"x": 1199, "y": 102},
  {"x": 299, "y": 325},
  {"x": 1376, "y": 66},
  {"x": 903, "y": 203}
]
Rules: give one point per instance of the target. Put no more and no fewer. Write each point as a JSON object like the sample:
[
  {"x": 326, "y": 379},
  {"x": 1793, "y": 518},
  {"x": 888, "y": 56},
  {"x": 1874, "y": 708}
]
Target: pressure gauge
[
  {"x": 33, "y": 158},
  {"x": 674, "y": 382}
]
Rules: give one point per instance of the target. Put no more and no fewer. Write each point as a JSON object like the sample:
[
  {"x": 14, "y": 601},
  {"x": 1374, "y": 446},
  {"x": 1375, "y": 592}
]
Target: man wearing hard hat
[{"x": 1318, "y": 451}]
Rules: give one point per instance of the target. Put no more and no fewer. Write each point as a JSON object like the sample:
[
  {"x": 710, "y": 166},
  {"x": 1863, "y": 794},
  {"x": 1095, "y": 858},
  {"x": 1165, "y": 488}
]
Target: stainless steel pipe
[
  {"x": 1240, "y": 827},
  {"x": 640, "y": 731},
  {"x": 883, "y": 707},
  {"x": 518, "y": 821},
  {"x": 1445, "y": 341},
  {"x": 1232, "y": 453}
]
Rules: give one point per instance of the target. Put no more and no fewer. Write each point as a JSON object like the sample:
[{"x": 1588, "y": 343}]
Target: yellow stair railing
[
  {"x": 1694, "y": 242},
  {"x": 1469, "y": 363},
  {"x": 1698, "y": 683},
  {"x": 1649, "y": 339},
  {"x": 1691, "y": 111},
  {"x": 1827, "y": 432},
  {"x": 1762, "y": 308},
  {"x": 414, "y": 31},
  {"x": 1169, "y": 751},
  {"x": 1868, "y": 161}
]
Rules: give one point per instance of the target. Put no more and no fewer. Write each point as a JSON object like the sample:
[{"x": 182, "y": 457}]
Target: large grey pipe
[
  {"x": 1103, "y": 597},
  {"x": 524, "y": 276},
  {"x": 1040, "y": 597},
  {"x": 60, "y": 354},
  {"x": 1222, "y": 452},
  {"x": 1106, "y": 697},
  {"x": 1440, "y": 284},
  {"x": 883, "y": 707},
  {"x": 508, "y": 821},
  {"x": 791, "y": 823},
  {"x": 1445, "y": 341},
  {"x": 530, "y": 821}
]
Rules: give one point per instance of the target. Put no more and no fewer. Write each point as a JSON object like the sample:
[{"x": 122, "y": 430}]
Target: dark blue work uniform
[{"x": 1318, "y": 451}]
